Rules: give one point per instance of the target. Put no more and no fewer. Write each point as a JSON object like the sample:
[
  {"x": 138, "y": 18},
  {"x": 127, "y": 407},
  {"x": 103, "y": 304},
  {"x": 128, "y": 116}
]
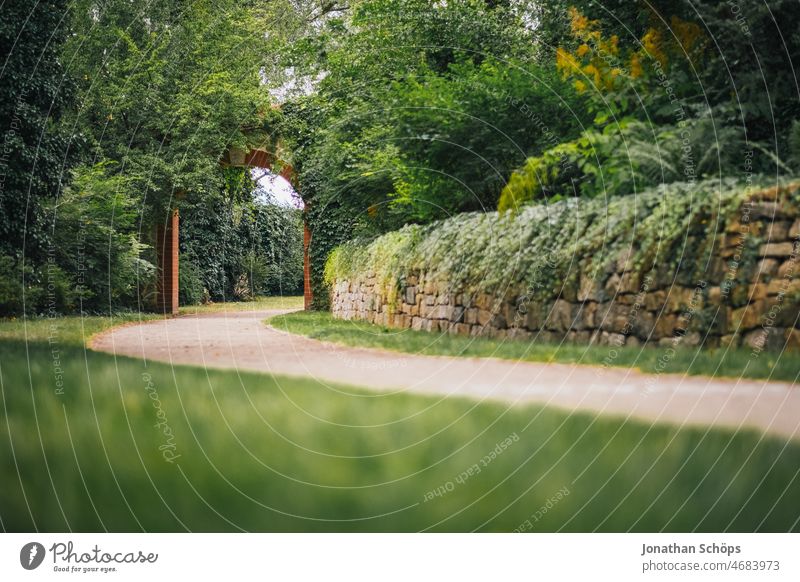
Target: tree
[
  {"x": 33, "y": 96},
  {"x": 419, "y": 110},
  {"x": 168, "y": 86}
]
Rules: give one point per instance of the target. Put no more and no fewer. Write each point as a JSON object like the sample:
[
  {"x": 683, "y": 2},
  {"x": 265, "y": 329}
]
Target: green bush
[
  {"x": 738, "y": 55},
  {"x": 34, "y": 290},
  {"x": 280, "y": 257},
  {"x": 95, "y": 239},
  {"x": 630, "y": 156},
  {"x": 93, "y": 259},
  {"x": 11, "y": 286},
  {"x": 190, "y": 290},
  {"x": 38, "y": 147}
]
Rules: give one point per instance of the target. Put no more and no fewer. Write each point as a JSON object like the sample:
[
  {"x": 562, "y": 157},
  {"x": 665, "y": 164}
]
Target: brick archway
[{"x": 167, "y": 233}]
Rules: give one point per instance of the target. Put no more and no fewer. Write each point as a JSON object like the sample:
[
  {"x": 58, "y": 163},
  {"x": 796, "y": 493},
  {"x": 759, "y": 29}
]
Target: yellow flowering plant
[{"x": 616, "y": 79}]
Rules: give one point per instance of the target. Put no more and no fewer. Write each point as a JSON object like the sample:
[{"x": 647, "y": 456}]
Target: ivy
[{"x": 541, "y": 250}]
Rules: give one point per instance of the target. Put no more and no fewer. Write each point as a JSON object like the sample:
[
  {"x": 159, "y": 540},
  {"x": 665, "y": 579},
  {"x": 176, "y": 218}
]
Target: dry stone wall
[{"x": 748, "y": 296}]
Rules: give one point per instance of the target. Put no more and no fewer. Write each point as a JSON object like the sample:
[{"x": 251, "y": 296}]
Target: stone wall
[{"x": 748, "y": 296}]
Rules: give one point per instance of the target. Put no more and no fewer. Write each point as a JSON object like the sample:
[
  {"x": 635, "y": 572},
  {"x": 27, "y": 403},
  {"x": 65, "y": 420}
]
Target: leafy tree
[
  {"x": 34, "y": 155},
  {"x": 33, "y": 95},
  {"x": 95, "y": 241},
  {"x": 168, "y": 86},
  {"x": 419, "y": 110},
  {"x": 625, "y": 158},
  {"x": 166, "y": 89},
  {"x": 460, "y": 135}
]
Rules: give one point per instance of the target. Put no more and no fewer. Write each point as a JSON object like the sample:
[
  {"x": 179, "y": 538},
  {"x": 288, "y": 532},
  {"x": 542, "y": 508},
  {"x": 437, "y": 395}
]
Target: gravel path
[{"x": 240, "y": 340}]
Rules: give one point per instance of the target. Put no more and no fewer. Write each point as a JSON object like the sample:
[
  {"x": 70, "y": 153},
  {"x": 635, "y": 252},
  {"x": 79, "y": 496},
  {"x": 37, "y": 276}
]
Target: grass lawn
[
  {"x": 278, "y": 302},
  {"x": 90, "y": 442},
  {"x": 76, "y": 330},
  {"x": 59, "y": 332},
  {"x": 730, "y": 363}
]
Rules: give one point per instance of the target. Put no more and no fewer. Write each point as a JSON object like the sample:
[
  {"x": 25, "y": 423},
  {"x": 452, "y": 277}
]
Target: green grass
[
  {"x": 728, "y": 363},
  {"x": 76, "y": 330},
  {"x": 266, "y": 453},
  {"x": 277, "y": 302},
  {"x": 73, "y": 330}
]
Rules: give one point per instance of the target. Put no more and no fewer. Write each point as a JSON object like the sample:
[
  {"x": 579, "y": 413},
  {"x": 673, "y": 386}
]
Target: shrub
[
  {"x": 191, "y": 290},
  {"x": 617, "y": 79},
  {"x": 95, "y": 239},
  {"x": 281, "y": 251},
  {"x": 34, "y": 289},
  {"x": 93, "y": 259},
  {"x": 630, "y": 156}
]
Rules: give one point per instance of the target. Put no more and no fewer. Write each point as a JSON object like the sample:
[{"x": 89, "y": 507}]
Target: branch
[{"x": 327, "y": 8}]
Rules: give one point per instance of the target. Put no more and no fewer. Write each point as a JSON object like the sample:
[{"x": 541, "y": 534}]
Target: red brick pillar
[
  {"x": 167, "y": 252},
  {"x": 308, "y": 296}
]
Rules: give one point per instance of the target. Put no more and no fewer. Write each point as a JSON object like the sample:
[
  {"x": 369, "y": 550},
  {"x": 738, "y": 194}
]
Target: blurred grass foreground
[{"x": 94, "y": 443}]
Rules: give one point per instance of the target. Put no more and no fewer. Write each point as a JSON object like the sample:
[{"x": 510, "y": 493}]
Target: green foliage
[
  {"x": 191, "y": 290},
  {"x": 331, "y": 224},
  {"x": 33, "y": 97},
  {"x": 417, "y": 133},
  {"x": 94, "y": 260},
  {"x": 166, "y": 88},
  {"x": 423, "y": 111},
  {"x": 459, "y": 136},
  {"x": 12, "y": 293},
  {"x": 240, "y": 245},
  {"x": 34, "y": 157},
  {"x": 651, "y": 77},
  {"x": 26, "y": 288},
  {"x": 538, "y": 250},
  {"x": 794, "y": 145},
  {"x": 752, "y": 68},
  {"x": 630, "y": 156},
  {"x": 427, "y": 145},
  {"x": 95, "y": 239},
  {"x": 747, "y": 65},
  {"x": 551, "y": 175},
  {"x": 396, "y": 112},
  {"x": 281, "y": 257}
]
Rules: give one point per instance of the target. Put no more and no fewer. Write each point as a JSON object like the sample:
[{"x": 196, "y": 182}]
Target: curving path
[{"x": 240, "y": 340}]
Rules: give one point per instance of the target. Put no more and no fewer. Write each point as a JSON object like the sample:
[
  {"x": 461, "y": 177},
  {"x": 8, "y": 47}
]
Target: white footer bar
[{"x": 400, "y": 557}]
